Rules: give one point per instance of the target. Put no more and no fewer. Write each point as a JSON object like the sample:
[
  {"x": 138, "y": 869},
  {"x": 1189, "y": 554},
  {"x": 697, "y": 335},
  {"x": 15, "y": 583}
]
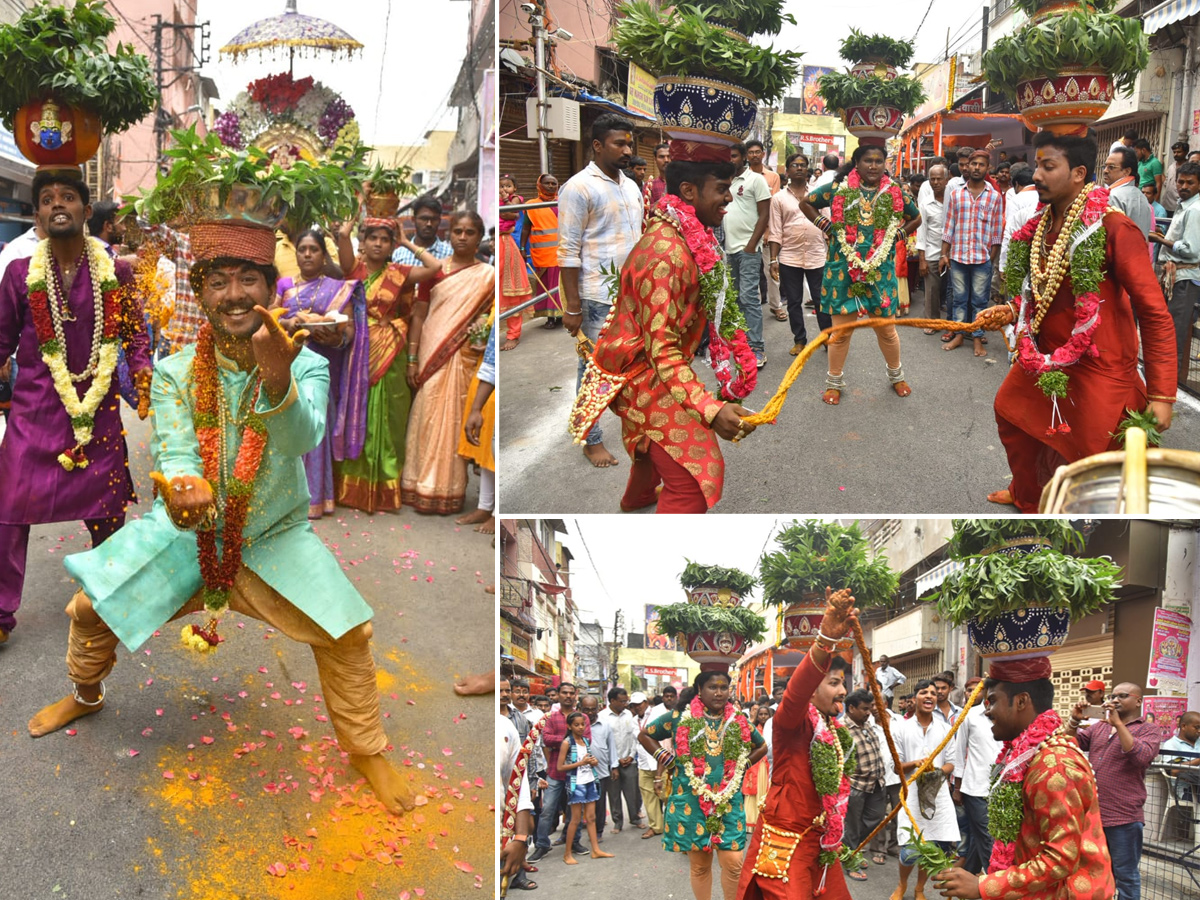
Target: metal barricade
[{"x": 1170, "y": 865}]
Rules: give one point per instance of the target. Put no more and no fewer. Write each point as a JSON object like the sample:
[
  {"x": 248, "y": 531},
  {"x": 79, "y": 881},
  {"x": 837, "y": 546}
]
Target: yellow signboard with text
[{"x": 640, "y": 96}]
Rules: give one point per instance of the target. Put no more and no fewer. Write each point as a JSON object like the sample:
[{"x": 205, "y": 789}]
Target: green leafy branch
[
  {"x": 691, "y": 618},
  {"x": 815, "y": 555},
  {"x": 1146, "y": 420},
  {"x": 859, "y": 47},
  {"x": 841, "y": 90},
  {"x": 747, "y": 16},
  {"x": 972, "y": 536},
  {"x": 695, "y": 575}
]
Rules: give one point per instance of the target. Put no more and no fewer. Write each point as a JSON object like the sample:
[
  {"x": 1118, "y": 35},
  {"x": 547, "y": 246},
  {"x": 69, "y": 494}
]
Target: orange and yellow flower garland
[{"x": 208, "y": 420}]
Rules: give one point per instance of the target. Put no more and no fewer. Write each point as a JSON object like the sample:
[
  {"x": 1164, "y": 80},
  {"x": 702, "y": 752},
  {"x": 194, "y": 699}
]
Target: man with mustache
[
  {"x": 63, "y": 313},
  {"x": 234, "y": 415}
]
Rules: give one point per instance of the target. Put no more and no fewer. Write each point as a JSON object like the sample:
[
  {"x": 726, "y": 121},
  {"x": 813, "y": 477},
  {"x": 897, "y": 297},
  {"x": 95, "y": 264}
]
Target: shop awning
[
  {"x": 1166, "y": 13},
  {"x": 594, "y": 100},
  {"x": 936, "y": 575}
]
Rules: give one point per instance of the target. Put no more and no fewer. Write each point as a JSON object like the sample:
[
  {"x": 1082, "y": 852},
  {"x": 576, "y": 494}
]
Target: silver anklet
[
  {"x": 82, "y": 702},
  {"x": 835, "y": 382},
  {"x": 896, "y": 375}
]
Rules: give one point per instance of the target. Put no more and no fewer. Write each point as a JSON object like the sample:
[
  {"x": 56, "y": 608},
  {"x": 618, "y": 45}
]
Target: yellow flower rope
[
  {"x": 775, "y": 404},
  {"x": 884, "y": 720}
]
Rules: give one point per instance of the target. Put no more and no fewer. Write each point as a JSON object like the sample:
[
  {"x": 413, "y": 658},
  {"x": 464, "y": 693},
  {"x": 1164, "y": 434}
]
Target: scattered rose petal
[
  {"x": 158, "y": 712},
  {"x": 134, "y": 752},
  {"x": 463, "y": 866},
  {"x": 278, "y": 869},
  {"x": 169, "y": 775},
  {"x": 206, "y": 740},
  {"x": 71, "y": 732},
  {"x": 446, "y": 751}
]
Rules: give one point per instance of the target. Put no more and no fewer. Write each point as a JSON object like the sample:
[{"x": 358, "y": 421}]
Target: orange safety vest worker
[{"x": 543, "y": 237}]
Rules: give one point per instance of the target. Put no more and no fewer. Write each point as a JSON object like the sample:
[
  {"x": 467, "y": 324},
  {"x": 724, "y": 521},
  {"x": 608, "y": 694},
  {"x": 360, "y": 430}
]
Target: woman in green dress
[
  {"x": 704, "y": 813},
  {"x": 868, "y": 214}
]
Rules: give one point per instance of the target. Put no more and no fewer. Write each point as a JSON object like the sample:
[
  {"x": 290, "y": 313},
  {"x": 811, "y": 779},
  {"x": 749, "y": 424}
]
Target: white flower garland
[
  {"x": 880, "y": 254},
  {"x": 103, "y": 357},
  {"x": 701, "y": 788}
]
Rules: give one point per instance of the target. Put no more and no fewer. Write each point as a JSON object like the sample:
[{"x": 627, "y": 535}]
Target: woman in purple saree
[{"x": 311, "y": 298}]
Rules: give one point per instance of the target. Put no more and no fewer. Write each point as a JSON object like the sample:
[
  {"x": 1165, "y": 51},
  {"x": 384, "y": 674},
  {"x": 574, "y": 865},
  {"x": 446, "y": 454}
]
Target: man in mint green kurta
[{"x": 132, "y": 587}]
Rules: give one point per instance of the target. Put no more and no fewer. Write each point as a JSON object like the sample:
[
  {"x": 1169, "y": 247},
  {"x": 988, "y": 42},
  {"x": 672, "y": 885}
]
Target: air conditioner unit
[{"x": 562, "y": 118}]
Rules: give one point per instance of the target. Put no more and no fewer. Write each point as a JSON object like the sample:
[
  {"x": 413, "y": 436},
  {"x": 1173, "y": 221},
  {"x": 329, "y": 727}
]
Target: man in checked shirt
[{"x": 1120, "y": 749}]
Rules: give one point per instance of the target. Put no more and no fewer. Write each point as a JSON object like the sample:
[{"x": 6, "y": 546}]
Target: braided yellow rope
[
  {"x": 775, "y": 404},
  {"x": 884, "y": 720}
]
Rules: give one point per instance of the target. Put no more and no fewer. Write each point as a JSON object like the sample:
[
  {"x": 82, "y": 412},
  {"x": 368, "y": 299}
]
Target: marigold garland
[
  {"x": 715, "y": 800},
  {"x": 46, "y": 302},
  {"x": 1078, "y": 253},
  {"x": 219, "y": 573}
]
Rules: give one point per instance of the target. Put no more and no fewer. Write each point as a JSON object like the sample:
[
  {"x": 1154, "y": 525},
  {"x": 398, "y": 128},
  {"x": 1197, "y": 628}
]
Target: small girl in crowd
[{"x": 574, "y": 757}]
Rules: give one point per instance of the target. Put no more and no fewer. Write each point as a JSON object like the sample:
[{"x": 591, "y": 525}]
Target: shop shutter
[{"x": 1077, "y": 663}]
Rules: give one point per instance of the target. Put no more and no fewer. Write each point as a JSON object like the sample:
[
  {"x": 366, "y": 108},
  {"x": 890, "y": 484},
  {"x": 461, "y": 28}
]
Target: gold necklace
[{"x": 1046, "y": 274}]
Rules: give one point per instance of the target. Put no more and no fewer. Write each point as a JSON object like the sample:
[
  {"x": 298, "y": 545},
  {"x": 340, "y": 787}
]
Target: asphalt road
[
  {"x": 215, "y": 777},
  {"x": 935, "y": 451},
  {"x": 642, "y": 869}
]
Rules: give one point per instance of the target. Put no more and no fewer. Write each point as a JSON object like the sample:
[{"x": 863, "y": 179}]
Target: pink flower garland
[
  {"x": 1041, "y": 728},
  {"x": 733, "y": 361},
  {"x": 683, "y": 751},
  {"x": 833, "y": 804},
  {"x": 1087, "y": 306}
]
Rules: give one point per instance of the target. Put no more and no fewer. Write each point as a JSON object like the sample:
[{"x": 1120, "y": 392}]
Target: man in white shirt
[
  {"x": 885, "y": 843},
  {"x": 889, "y": 678},
  {"x": 670, "y": 697},
  {"x": 599, "y": 221},
  {"x": 520, "y": 702},
  {"x": 829, "y": 165},
  {"x": 623, "y": 779},
  {"x": 767, "y": 289},
  {"x": 508, "y": 741},
  {"x": 1019, "y": 208},
  {"x": 932, "y": 205},
  {"x": 647, "y": 767},
  {"x": 977, "y": 751},
  {"x": 1186, "y": 742},
  {"x": 945, "y": 710},
  {"x": 1126, "y": 141},
  {"x": 1120, "y": 174},
  {"x": 745, "y": 224}
]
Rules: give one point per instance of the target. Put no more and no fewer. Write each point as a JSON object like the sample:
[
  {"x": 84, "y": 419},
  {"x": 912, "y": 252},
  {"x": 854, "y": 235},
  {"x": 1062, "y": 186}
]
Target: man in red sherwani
[
  {"x": 1101, "y": 387},
  {"x": 792, "y": 801},
  {"x": 1060, "y": 852},
  {"x": 669, "y": 420}
]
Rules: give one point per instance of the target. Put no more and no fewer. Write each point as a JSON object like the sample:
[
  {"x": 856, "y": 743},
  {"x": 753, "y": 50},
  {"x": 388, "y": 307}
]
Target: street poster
[
  {"x": 655, "y": 640},
  {"x": 640, "y": 95},
  {"x": 814, "y": 104},
  {"x": 1164, "y": 712},
  {"x": 1169, "y": 651},
  {"x": 814, "y": 146}
]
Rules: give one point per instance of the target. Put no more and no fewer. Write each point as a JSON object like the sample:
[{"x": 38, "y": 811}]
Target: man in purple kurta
[{"x": 34, "y": 486}]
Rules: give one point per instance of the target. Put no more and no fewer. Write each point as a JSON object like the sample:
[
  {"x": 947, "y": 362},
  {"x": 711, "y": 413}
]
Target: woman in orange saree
[
  {"x": 440, "y": 364},
  {"x": 371, "y": 482}
]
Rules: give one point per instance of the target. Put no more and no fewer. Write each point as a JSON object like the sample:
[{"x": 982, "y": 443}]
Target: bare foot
[
  {"x": 980, "y": 350},
  {"x": 510, "y": 344},
  {"x": 901, "y": 388},
  {"x": 388, "y": 784},
  {"x": 600, "y": 854},
  {"x": 954, "y": 343},
  {"x": 832, "y": 396},
  {"x": 56, "y": 715},
  {"x": 474, "y": 517},
  {"x": 898, "y": 894},
  {"x": 599, "y": 456},
  {"x": 570, "y": 860},
  {"x": 474, "y": 685},
  {"x": 1004, "y": 497},
  {"x": 487, "y": 527},
  {"x": 920, "y": 894},
  {"x": 3, "y": 635}
]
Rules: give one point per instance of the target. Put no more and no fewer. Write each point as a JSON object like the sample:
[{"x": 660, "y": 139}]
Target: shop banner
[
  {"x": 640, "y": 96},
  {"x": 1169, "y": 651},
  {"x": 661, "y": 670},
  {"x": 1164, "y": 712}
]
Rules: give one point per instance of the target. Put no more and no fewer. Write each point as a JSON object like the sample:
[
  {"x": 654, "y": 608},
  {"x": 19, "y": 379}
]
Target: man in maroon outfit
[
  {"x": 34, "y": 486},
  {"x": 792, "y": 802},
  {"x": 1101, "y": 387}
]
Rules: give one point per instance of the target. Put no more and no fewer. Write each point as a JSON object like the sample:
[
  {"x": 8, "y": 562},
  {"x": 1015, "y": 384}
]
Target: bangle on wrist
[{"x": 822, "y": 636}]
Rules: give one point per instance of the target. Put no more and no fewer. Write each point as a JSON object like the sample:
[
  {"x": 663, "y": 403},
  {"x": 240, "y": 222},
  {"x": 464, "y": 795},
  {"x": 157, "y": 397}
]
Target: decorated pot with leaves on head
[
  {"x": 386, "y": 187},
  {"x": 62, "y": 86},
  {"x": 872, "y": 98},
  {"x": 1020, "y": 587},
  {"x": 1065, "y": 65},
  {"x": 712, "y": 624},
  {"x": 710, "y": 76},
  {"x": 814, "y": 555}
]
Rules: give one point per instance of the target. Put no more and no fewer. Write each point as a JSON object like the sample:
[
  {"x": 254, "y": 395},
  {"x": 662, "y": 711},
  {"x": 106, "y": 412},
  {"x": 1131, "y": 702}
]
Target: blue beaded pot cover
[
  {"x": 703, "y": 109},
  {"x": 1023, "y": 633}
]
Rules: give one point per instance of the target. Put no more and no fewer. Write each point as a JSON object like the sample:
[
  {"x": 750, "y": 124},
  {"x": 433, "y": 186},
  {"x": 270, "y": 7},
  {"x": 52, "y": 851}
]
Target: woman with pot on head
[
  {"x": 539, "y": 242},
  {"x": 371, "y": 481},
  {"x": 514, "y": 280},
  {"x": 868, "y": 215},
  {"x": 313, "y": 298},
  {"x": 451, "y": 306},
  {"x": 711, "y": 745}
]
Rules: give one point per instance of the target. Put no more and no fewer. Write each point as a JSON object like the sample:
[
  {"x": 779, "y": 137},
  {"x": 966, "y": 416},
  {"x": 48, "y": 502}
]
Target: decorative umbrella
[{"x": 291, "y": 30}]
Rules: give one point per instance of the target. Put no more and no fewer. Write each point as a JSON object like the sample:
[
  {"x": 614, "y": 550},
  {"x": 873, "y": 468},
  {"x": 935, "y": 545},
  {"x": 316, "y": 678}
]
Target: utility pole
[
  {"x": 616, "y": 649},
  {"x": 538, "y": 20},
  {"x": 159, "y": 130},
  {"x": 163, "y": 120}
]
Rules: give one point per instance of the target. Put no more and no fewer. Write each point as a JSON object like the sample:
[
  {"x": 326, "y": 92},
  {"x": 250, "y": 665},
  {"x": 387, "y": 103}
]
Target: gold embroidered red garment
[
  {"x": 1061, "y": 853},
  {"x": 653, "y": 331}
]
